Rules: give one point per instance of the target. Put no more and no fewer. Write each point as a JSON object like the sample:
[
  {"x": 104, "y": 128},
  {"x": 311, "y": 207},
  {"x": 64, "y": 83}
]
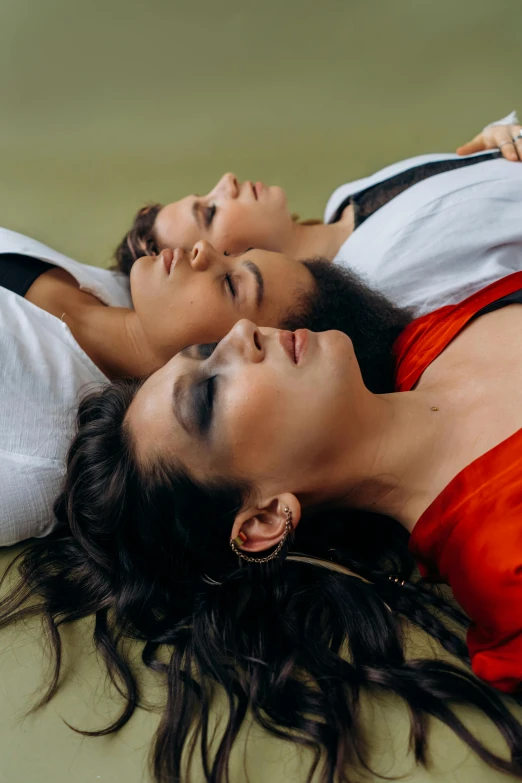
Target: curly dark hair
[{"x": 139, "y": 240}]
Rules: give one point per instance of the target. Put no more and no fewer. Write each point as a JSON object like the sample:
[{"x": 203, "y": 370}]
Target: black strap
[
  {"x": 514, "y": 298},
  {"x": 367, "y": 202},
  {"x": 18, "y": 272}
]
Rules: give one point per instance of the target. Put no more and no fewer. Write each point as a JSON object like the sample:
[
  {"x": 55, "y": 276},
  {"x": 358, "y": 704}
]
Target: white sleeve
[
  {"x": 29, "y": 489},
  {"x": 509, "y": 119}
]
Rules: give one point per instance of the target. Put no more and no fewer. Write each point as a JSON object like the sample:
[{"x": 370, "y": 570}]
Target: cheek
[
  {"x": 242, "y": 226},
  {"x": 195, "y": 314},
  {"x": 257, "y": 414}
]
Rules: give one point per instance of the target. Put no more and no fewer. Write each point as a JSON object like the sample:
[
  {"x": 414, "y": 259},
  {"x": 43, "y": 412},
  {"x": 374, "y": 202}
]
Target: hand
[{"x": 500, "y": 137}]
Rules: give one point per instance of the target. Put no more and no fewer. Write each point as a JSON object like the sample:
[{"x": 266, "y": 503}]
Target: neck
[
  {"x": 319, "y": 241},
  {"x": 393, "y": 466},
  {"x": 113, "y": 339}
]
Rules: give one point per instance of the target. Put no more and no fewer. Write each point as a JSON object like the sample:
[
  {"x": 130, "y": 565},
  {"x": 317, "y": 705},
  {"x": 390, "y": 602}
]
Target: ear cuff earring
[{"x": 241, "y": 539}]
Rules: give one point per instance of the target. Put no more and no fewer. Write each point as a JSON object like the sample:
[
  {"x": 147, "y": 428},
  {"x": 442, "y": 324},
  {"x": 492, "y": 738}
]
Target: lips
[
  {"x": 287, "y": 341},
  {"x": 253, "y": 188},
  {"x": 300, "y": 344},
  {"x": 167, "y": 256}
]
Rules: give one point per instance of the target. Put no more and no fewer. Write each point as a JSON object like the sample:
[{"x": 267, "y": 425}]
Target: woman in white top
[{"x": 427, "y": 231}]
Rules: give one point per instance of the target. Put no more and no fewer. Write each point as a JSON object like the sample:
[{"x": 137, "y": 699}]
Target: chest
[{"x": 478, "y": 379}]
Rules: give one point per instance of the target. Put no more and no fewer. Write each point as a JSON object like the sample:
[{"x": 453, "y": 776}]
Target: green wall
[{"x": 107, "y": 104}]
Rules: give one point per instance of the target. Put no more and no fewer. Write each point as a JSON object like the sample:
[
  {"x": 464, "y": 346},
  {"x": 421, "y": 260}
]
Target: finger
[
  {"x": 475, "y": 145},
  {"x": 505, "y": 143},
  {"x": 517, "y": 140}
]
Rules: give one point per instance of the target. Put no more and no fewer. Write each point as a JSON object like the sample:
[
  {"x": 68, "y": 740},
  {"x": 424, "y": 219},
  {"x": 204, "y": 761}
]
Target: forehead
[
  {"x": 175, "y": 225},
  {"x": 286, "y": 277},
  {"x": 150, "y": 415},
  {"x": 155, "y": 429}
]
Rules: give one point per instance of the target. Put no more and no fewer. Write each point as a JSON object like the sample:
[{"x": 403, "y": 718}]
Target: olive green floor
[{"x": 41, "y": 748}]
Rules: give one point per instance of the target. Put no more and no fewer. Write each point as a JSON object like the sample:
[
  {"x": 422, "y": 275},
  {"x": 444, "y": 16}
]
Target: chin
[
  {"x": 139, "y": 277},
  {"x": 278, "y": 194},
  {"x": 338, "y": 345}
]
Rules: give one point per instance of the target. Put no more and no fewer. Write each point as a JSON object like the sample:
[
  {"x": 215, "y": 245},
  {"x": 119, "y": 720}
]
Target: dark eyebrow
[
  {"x": 260, "y": 283},
  {"x": 196, "y": 213}
]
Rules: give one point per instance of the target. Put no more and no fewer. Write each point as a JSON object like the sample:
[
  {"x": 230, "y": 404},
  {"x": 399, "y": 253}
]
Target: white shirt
[
  {"x": 442, "y": 239},
  {"x": 43, "y": 370}
]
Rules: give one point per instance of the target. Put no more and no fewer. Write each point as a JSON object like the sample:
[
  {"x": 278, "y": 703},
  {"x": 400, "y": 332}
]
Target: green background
[{"x": 107, "y": 104}]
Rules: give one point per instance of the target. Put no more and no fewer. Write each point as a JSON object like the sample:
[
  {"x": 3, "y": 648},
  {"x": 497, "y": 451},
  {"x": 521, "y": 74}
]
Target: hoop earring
[{"x": 277, "y": 550}]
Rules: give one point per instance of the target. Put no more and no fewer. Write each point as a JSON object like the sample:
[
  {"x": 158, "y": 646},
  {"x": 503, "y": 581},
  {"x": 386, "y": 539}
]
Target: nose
[
  {"x": 245, "y": 341},
  {"x": 202, "y": 256},
  {"x": 228, "y": 185}
]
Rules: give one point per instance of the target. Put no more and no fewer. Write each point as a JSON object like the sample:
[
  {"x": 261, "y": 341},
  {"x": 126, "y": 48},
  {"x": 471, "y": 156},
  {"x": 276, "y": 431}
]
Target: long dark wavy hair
[{"x": 293, "y": 643}]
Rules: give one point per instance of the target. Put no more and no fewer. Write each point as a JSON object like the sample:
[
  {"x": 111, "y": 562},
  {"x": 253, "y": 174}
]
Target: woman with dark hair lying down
[{"x": 239, "y": 506}]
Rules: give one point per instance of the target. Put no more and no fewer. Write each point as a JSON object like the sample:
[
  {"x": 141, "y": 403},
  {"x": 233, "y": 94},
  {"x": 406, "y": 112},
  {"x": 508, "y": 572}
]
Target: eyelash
[
  {"x": 228, "y": 281},
  {"x": 209, "y": 215},
  {"x": 211, "y": 392}
]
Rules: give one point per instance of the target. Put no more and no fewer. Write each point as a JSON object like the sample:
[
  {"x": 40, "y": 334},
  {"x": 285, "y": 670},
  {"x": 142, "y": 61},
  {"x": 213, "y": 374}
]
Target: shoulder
[
  {"x": 426, "y": 337},
  {"x": 111, "y": 287}
]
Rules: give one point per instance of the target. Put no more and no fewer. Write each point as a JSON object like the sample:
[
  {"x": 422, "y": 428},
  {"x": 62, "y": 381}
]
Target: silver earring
[{"x": 235, "y": 543}]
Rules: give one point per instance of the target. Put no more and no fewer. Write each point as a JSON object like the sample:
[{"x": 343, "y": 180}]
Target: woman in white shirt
[{"x": 427, "y": 231}]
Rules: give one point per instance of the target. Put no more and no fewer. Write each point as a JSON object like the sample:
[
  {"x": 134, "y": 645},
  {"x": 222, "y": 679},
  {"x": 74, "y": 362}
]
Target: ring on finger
[{"x": 518, "y": 136}]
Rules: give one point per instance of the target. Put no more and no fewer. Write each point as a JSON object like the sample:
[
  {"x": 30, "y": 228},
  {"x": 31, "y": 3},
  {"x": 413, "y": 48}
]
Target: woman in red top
[
  {"x": 197, "y": 502},
  {"x": 290, "y": 410}
]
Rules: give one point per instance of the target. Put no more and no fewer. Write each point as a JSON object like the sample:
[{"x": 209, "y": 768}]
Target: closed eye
[
  {"x": 230, "y": 285},
  {"x": 204, "y": 393}
]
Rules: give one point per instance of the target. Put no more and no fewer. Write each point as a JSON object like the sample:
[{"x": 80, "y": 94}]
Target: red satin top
[{"x": 471, "y": 535}]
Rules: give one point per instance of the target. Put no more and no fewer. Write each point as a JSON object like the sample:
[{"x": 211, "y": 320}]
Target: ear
[{"x": 264, "y": 524}]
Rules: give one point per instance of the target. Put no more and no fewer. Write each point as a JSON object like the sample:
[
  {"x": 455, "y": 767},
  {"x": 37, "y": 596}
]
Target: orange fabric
[
  {"x": 471, "y": 535},
  {"x": 426, "y": 337}
]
